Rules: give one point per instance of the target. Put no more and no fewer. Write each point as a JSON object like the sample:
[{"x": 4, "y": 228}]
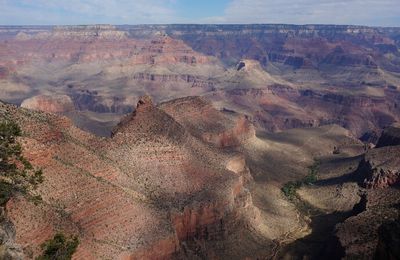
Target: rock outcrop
[
  {"x": 49, "y": 103},
  {"x": 389, "y": 241},
  {"x": 365, "y": 235},
  {"x": 390, "y": 136},
  {"x": 9, "y": 249},
  {"x": 204, "y": 121},
  {"x": 359, "y": 235},
  {"x": 380, "y": 167}
]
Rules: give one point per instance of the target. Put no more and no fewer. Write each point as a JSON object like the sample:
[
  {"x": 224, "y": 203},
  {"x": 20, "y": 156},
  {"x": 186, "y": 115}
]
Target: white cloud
[
  {"x": 368, "y": 12},
  {"x": 364, "y": 12},
  {"x": 86, "y": 11}
]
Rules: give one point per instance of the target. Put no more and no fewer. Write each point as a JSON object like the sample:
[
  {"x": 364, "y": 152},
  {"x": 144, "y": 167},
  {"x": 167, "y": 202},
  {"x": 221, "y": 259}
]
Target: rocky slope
[
  {"x": 171, "y": 183},
  {"x": 380, "y": 167},
  {"x": 111, "y": 194},
  {"x": 340, "y": 214},
  {"x": 359, "y": 234},
  {"x": 389, "y": 241},
  {"x": 390, "y": 136},
  {"x": 365, "y": 234}
]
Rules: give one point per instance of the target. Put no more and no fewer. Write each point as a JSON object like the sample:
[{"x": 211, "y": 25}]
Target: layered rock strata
[{"x": 138, "y": 195}]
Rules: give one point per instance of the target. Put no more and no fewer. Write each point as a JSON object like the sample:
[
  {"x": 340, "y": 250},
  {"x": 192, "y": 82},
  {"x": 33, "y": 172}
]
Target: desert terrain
[{"x": 205, "y": 141}]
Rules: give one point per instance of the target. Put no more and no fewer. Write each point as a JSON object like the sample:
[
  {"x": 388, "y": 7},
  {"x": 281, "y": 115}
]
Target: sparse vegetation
[
  {"x": 17, "y": 174},
  {"x": 290, "y": 188},
  {"x": 59, "y": 248},
  {"x": 312, "y": 173}
]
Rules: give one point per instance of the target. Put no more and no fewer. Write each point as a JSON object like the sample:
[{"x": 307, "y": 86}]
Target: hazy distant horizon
[
  {"x": 384, "y": 13},
  {"x": 195, "y": 24}
]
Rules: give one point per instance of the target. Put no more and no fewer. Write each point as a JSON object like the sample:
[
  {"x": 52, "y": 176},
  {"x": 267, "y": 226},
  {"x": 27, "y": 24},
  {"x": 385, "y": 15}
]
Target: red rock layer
[
  {"x": 279, "y": 107},
  {"x": 81, "y": 49},
  {"x": 207, "y": 123},
  {"x": 138, "y": 195},
  {"x": 380, "y": 167}
]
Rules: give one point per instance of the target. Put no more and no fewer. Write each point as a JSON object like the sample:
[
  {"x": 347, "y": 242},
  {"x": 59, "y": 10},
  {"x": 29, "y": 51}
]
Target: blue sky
[{"x": 362, "y": 12}]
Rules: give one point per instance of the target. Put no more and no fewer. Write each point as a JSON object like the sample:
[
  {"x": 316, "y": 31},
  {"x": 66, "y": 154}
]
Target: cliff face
[
  {"x": 205, "y": 122},
  {"x": 360, "y": 235},
  {"x": 380, "y": 167},
  {"x": 278, "y": 107},
  {"x": 297, "y": 46},
  {"x": 82, "y": 32},
  {"x": 92, "y": 43},
  {"x": 390, "y": 136},
  {"x": 101, "y": 68},
  {"x": 281, "y": 76},
  {"x": 366, "y": 234}
]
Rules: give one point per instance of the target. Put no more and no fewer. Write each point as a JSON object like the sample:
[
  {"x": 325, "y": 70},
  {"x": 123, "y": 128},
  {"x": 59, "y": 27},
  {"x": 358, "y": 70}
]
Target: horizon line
[{"x": 200, "y": 24}]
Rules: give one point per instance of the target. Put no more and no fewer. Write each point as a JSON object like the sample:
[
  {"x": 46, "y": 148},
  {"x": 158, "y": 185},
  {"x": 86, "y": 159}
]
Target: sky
[{"x": 56, "y": 12}]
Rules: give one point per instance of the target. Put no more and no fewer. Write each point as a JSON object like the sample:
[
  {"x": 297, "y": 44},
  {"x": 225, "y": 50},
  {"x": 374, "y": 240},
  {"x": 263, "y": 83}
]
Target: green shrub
[
  {"x": 17, "y": 175},
  {"x": 290, "y": 188},
  {"x": 312, "y": 173},
  {"x": 310, "y": 179},
  {"x": 59, "y": 248}
]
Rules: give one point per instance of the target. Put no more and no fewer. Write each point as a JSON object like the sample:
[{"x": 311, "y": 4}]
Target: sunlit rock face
[
  {"x": 49, "y": 103},
  {"x": 159, "y": 186}
]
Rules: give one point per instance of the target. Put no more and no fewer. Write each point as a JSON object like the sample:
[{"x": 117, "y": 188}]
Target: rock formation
[
  {"x": 359, "y": 234},
  {"x": 365, "y": 235},
  {"x": 140, "y": 194},
  {"x": 79, "y": 32},
  {"x": 200, "y": 175},
  {"x": 204, "y": 121},
  {"x": 389, "y": 241},
  {"x": 381, "y": 167},
  {"x": 390, "y": 136},
  {"x": 252, "y": 69},
  {"x": 49, "y": 103}
]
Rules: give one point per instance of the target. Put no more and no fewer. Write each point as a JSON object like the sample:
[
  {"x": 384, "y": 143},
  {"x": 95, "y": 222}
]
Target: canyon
[
  {"x": 205, "y": 141},
  {"x": 280, "y": 76}
]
